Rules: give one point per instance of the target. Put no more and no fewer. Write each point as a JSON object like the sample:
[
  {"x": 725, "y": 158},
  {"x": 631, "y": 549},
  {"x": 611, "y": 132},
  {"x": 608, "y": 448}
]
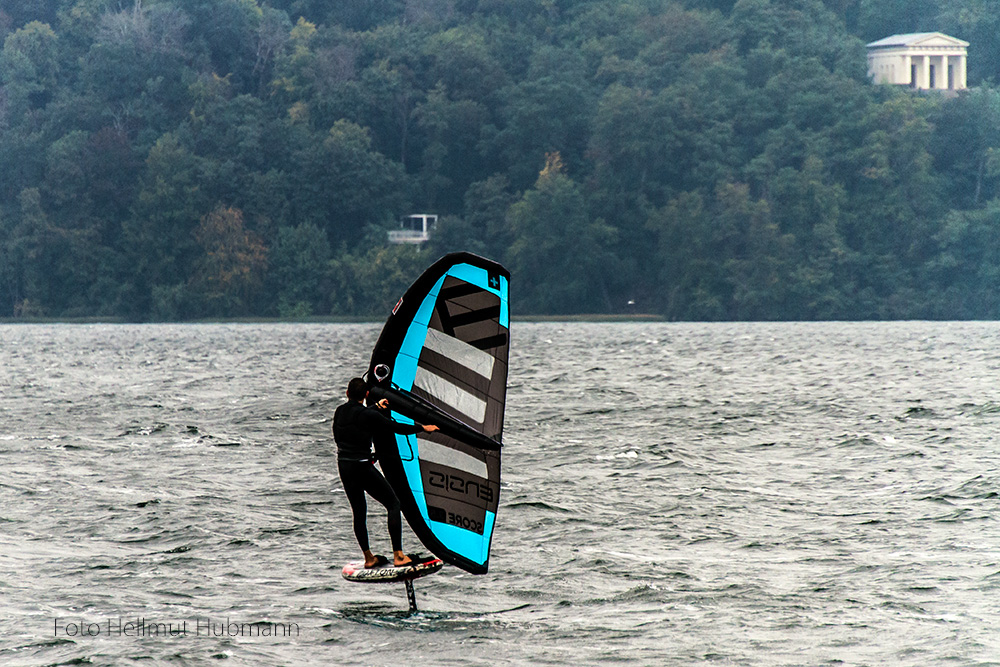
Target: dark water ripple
[{"x": 674, "y": 494}]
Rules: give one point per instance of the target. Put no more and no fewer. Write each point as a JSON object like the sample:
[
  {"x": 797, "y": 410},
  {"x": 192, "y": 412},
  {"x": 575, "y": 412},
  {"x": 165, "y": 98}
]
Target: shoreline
[{"x": 328, "y": 319}]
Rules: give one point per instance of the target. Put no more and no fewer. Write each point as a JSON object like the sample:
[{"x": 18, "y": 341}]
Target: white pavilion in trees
[{"x": 923, "y": 60}]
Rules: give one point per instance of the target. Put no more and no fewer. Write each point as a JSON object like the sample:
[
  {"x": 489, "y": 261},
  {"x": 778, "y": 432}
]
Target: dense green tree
[
  {"x": 135, "y": 77},
  {"x": 359, "y": 14},
  {"x": 966, "y": 146},
  {"x": 59, "y": 266},
  {"x": 460, "y": 60},
  {"x": 29, "y": 63},
  {"x": 370, "y": 282},
  {"x": 160, "y": 232},
  {"x": 882, "y": 18},
  {"x": 299, "y": 271},
  {"x": 967, "y": 271},
  {"x": 685, "y": 274},
  {"x": 485, "y": 210},
  {"x": 28, "y": 78},
  {"x": 226, "y": 33},
  {"x": 977, "y": 22},
  {"x": 547, "y": 112},
  {"x": 451, "y": 159},
  {"x": 559, "y": 246},
  {"x": 344, "y": 186},
  {"x": 12, "y": 267},
  {"x": 633, "y": 143}
]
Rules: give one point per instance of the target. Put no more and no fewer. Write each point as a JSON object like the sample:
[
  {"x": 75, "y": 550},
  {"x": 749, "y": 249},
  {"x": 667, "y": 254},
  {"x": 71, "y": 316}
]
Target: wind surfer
[{"x": 354, "y": 424}]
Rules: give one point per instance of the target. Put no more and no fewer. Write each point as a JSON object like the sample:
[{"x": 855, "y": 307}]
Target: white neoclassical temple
[{"x": 924, "y": 60}]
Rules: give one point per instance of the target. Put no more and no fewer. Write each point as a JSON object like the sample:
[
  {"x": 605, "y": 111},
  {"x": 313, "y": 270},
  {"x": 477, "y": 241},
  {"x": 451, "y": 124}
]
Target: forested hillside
[{"x": 699, "y": 159}]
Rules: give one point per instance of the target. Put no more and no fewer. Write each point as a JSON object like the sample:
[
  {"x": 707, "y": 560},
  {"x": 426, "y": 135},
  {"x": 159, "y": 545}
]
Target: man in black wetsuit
[{"x": 353, "y": 428}]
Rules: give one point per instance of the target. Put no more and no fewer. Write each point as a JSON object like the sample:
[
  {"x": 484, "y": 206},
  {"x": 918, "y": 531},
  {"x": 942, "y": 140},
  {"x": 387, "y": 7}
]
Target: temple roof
[{"x": 919, "y": 39}]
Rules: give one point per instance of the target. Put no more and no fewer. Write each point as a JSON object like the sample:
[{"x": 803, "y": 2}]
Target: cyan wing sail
[{"x": 442, "y": 359}]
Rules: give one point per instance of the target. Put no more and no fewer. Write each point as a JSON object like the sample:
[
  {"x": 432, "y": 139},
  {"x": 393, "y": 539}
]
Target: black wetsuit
[{"x": 353, "y": 428}]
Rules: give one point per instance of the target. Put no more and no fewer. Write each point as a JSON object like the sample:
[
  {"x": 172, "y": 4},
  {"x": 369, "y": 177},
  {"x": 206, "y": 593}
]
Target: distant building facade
[
  {"x": 923, "y": 60},
  {"x": 415, "y": 228}
]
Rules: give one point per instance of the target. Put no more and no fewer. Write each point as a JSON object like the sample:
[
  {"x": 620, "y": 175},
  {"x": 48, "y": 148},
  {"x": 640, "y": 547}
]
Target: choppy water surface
[{"x": 674, "y": 494}]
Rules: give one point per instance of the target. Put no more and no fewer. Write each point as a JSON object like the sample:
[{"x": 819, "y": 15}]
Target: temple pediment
[{"x": 920, "y": 40}]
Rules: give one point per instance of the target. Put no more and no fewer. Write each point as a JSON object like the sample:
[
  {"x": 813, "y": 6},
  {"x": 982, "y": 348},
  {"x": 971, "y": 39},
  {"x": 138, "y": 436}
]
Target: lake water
[{"x": 673, "y": 494}]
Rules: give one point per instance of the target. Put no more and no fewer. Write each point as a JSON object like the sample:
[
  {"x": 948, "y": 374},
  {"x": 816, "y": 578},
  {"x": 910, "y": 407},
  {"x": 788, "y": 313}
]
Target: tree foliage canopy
[{"x": 699, "y": 159}]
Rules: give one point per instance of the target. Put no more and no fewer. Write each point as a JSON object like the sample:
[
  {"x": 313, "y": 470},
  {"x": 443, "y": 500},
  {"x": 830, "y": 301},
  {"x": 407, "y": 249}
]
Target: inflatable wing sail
[{"x": 442, "y": 359}]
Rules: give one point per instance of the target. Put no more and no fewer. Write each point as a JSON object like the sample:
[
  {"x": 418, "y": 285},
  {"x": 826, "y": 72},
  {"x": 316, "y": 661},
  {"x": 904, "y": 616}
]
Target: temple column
[
  {"x": 945, "y": 83},
  {"x": 962, "y": 83},
  {"x": 907, "y": 77},
  {"x": 925, "y": 77}
]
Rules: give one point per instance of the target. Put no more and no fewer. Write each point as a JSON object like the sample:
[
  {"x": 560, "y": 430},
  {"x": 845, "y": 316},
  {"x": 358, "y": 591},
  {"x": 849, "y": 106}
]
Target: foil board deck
[{"x": 389, "y": 573}]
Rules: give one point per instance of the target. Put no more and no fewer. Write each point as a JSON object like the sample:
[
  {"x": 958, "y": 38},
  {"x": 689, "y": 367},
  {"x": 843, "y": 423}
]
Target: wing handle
[{"x": 422, "y": 412}]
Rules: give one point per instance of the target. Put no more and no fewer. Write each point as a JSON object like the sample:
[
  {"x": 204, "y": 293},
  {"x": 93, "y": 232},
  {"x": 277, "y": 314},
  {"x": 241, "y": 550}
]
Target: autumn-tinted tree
[{"x": 230, "y": 268}]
